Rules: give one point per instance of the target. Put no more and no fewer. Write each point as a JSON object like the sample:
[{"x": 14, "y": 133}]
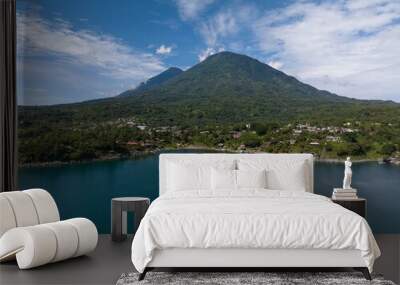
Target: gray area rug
[{"x": 228, "y": 278}]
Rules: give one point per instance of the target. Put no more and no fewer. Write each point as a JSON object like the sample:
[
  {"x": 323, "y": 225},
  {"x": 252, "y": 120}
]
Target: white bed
[{"x": 248, "y": 227}]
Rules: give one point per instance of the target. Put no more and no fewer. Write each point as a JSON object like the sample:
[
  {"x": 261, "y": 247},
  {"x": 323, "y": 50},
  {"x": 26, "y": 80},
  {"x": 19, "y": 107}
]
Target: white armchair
[{"x": 31, "y": 230}]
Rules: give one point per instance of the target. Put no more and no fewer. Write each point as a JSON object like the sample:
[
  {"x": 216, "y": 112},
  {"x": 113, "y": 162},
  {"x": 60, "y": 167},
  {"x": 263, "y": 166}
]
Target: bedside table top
[
  {"x": 350, "y": 200},
  {"x": 130, "y": 199}
]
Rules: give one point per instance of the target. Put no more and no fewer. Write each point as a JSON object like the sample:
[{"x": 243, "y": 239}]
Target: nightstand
[
  {"x": 119, "y": 208},
  {"x": 358, "y": 206}
]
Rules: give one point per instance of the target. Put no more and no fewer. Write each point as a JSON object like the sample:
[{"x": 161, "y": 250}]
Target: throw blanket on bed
[{"x": 250, "y": 219}]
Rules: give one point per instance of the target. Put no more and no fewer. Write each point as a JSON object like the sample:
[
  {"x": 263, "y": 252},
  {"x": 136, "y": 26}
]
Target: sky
[{"x": 72, "y": 51}]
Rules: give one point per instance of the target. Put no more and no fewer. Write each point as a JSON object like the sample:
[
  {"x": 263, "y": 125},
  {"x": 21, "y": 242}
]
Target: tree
[
  {"x": 350, "y": 137},
  {"x": 387, "y": 149},
  {"x": 350, "y": 149},
  {"x": 260, "y": 129}
]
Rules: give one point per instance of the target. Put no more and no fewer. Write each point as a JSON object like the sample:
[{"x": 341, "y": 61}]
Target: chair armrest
[
  {"x": 40, "y": 244},
  {"x": 32, "y": 246}
]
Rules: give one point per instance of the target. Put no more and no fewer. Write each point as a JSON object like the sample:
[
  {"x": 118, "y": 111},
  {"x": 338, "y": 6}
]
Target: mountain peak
[
  {"x": 229, "y": 55},
  {"x": 164, "y": 76},
  {"x": 230, "y": 77},
  {"x": 238, "y": 61},
  {"x": 225, "y": 53},
  {"x": 173, "y": 69},
  {"x": 154, "y": 82}
]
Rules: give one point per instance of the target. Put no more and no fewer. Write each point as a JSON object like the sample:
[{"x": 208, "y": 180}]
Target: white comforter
[{"x": 250, "y": 219}]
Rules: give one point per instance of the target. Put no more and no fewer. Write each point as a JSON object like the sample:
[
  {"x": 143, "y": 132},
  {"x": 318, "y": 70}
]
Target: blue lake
[{"x": 86, "y": 189}]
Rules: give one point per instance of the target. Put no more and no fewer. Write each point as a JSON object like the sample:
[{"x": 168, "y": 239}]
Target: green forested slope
[{"x": 226, "y": 90}]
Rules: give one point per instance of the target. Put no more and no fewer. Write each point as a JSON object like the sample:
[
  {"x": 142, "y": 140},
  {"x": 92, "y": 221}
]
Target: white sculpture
[{"x": 347, "y": 174}]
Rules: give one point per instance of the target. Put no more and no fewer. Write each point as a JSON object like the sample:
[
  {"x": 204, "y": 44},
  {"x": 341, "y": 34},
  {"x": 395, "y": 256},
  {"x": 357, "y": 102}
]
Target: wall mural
[{"x": 104, "y": 87}]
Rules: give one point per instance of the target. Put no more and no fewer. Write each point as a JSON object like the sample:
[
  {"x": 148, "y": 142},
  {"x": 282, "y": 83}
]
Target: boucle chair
[{"x": 31, "y": 230}]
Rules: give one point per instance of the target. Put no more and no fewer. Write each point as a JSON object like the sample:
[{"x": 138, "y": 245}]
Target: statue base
[
  {"x": 344, "y": 190},
  {"x": 343, "y": 194}
]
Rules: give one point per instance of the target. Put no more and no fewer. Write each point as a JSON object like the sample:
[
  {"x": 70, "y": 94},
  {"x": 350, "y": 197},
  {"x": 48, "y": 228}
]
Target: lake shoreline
[
  {"x": 95, "y": 184},
  {"x": 142, "y": 154}
]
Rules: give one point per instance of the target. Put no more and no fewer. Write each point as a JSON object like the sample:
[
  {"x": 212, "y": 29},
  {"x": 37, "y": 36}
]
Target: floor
[
  {"x": 103, "y": 266},
  {"x": 110, "y": 260}
]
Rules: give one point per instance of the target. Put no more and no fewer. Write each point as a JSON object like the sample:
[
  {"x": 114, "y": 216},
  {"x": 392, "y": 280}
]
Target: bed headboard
[{"x": 166, "y": 157}]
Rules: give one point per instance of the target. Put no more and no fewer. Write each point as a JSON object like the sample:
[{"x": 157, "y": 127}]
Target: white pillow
[
  {"x": 186, "y": 174},
  {"x": 227, "y": 179},
  {"x": 223, "y": 179},
  {"x": 288, "y": 175},
  {"x": 188, "y": 177},
  {"x": 251, "y": 178}
]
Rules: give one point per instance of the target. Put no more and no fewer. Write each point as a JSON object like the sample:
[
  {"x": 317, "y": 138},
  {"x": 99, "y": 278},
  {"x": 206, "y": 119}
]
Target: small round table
[{"x": 119, "y": 208}]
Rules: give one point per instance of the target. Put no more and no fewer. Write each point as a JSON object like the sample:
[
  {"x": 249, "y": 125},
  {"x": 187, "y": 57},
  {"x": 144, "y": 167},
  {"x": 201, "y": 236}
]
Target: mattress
[{"x": 250, "y": 219}]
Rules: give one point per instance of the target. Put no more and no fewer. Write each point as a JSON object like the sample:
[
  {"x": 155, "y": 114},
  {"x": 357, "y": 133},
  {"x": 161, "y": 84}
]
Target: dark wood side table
[
  {"x": 119, "y": 208},
  {"x": 358, "y": 206}
]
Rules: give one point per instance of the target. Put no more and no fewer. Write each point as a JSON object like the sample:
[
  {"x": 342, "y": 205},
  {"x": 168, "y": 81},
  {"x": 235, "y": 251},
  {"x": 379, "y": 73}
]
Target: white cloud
[
  {"x": 164, "y": 50},
  {"x": 275, "y": 64},
  {"x": 207, "y": 52},
  {"x": 220, "y": 29},
  {"x": 347, "y": 47},
  {"x": 226, "y": 24},
  {"x": 190, "y": 9},
  {"x": 221, "y": 25},
  {"x": 108, "y": 54}
]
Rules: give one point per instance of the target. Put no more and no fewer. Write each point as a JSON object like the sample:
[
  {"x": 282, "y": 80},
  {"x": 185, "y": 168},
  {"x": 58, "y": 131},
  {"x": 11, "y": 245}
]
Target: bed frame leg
[
  {"x": 364, "y": 271},
  {"x": 143, "y": 274}
]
